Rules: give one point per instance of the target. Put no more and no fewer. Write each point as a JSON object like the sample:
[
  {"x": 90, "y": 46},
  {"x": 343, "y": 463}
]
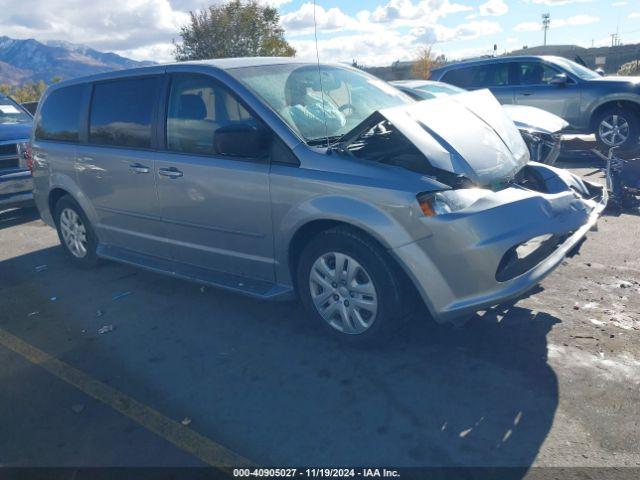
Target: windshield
[
  {"x": 575, "y": 68},
  {"x": 346, "y": 98},
  {"x": 11, "y": 112},
  {"x": 440, "y": 89}
]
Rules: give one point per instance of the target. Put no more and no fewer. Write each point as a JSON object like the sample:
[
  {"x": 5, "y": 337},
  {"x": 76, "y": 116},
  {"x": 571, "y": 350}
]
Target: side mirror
[
  {"x": 240, "y": 140},
  {"x": 559, "y": 80},
  {"x": 600, "y": 72}
]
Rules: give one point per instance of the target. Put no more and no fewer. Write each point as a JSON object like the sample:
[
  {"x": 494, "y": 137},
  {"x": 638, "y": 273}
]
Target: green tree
[
  {"x": 29, "y": 92},
  {"x": 234, "y": 29}
]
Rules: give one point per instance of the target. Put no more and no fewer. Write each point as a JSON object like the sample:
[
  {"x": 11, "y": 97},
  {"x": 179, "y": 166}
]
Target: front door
[
  {"x": 533, "y": 87},
  {"x": 216, "y": 207},
  {"x": 115, "y": 170}
]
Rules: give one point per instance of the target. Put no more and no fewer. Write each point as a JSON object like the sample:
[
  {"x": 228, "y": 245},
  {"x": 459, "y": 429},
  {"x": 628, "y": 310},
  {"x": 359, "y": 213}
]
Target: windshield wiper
[{"x": 324, "y": 141}]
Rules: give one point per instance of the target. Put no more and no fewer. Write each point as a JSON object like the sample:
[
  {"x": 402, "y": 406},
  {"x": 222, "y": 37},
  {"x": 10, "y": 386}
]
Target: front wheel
[
  {"x": 350, "y": 286},
  {"x": 618, "y": 127}
]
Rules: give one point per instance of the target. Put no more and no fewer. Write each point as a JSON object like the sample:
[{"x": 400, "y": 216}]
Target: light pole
[{"x": 546, "y": 20}]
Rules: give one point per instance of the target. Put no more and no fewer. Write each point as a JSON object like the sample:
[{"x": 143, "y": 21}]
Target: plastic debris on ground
[
  {"x": 120, "y": 295},
  {"x": 106, "y": 329},
  {"x": 186, "y": 421}
]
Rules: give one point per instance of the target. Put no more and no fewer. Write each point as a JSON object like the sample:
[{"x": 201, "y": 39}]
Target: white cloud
[
  {"x": 381, "y": 49},
  {"x": 576, "y": 20},
  {"x": 573, "y": 21},
  {"x": 557, "y": 3},
  {"x": 406, "y": 11},
  {"x": 467, "y": 31},
  {"x": 619, "y": 4},
  {"x": 114, "y": 25},
  {"x": 528, "y": 27},
  {"x": 493, "y": 8},
  {"x": 392, "y": 14},
  {"x": 301, "y": 21},
  {"x": 634, "y": 15}
]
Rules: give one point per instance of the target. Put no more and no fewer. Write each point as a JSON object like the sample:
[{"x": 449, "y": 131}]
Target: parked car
[
  {"x": 15, "y": 178},
  {"x": 540, "y": 130},
  {"x": 30, "y": 107},
  {"x": 244, "y": 174},
  {"x": 591, "y": 103}
]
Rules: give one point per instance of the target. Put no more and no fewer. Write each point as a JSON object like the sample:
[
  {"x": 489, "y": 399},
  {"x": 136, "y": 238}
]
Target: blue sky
[{"x": 373, "y": 32}]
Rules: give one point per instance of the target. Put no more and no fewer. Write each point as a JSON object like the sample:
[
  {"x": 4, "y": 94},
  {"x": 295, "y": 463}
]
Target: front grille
[{"x": 9, "y": 156}]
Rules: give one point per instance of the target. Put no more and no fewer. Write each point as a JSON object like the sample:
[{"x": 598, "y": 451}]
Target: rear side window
[
  {"x": 60, "y": 115},
  {"x": 493, "y": 75},
  {"x": 122, "y": 112}
]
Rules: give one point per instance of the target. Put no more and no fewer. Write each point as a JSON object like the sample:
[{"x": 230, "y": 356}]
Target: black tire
[
  {"x": 395, "y": 297},
  {"x": 90, "y": 258},
  {"x": 631, "y": 144}
]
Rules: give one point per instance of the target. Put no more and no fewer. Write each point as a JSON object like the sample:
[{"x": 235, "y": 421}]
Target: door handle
[
  {"x": 526, "y": 94},
  {"x": 171, "y": 172},
  {"x": 138, "y": 168}
]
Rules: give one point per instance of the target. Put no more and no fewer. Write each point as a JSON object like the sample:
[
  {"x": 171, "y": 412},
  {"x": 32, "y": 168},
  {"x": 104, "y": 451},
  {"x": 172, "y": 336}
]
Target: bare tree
[
  {"x": 234, "y": 29},
  {"x": 424, "y": 63}
]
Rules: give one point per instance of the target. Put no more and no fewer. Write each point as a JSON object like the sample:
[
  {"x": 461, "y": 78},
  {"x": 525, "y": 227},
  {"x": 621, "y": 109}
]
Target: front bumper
[
  {"x": 16, "y": 187},
  {"x": 456, "y": 268}
]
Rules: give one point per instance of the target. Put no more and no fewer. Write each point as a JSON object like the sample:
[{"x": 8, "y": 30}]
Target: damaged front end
[
  {"x": 540, "y": 130},
  {"x": 504, "y": 222}
]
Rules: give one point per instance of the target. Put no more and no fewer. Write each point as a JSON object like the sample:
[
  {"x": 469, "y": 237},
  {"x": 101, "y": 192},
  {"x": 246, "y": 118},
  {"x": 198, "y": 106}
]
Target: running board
[{"x": 246, "y": 286}]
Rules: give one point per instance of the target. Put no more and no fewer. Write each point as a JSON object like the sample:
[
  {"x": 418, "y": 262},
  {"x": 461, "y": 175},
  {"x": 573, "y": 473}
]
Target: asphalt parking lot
[{"x": 189, "y": 376}]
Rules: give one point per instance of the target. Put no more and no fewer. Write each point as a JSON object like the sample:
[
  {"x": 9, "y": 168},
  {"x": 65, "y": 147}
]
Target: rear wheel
[
  {"x": 74, "y": 230},
  {"x": 618, "y": 127},
  {"x": 350, "y": 286}
]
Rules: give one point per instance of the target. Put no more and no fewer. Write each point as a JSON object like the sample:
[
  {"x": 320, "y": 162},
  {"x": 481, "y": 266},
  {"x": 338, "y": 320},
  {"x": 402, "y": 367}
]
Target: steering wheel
[{"x": 347, "y": 106}]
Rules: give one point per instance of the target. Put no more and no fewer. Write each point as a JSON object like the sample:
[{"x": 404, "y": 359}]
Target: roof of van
[
  {"x": 226, "y": 63},
  {"x": 220, "y": 63},
  {"x": 503, "y": 59}
]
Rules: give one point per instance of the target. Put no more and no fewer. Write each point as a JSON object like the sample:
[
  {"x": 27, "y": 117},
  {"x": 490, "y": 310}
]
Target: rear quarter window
[
  {"x": 122, "y": 111},
  {"x": 60, "y": 115}
]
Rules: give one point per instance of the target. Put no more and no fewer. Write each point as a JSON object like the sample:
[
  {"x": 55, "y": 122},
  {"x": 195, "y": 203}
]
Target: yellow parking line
[{"x": 182, "y": 437}]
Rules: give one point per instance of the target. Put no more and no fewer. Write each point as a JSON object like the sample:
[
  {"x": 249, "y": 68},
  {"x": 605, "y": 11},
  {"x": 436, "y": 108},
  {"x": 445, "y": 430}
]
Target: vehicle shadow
[
  {"x": 17, "y": 216},
  {"x": 262, "y": 380}
]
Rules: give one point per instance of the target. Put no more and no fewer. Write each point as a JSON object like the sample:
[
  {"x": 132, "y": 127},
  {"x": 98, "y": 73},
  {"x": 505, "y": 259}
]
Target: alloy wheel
[
  {"x": 614, "y": 130},
  {"x": 74, "y": 232},
  {"x": 343, "y": 293}
]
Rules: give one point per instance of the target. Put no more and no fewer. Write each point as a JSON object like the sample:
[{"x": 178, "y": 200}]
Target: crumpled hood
[
  {"x": 532, "y": 118},
  {"x": 467, "y": 134}
]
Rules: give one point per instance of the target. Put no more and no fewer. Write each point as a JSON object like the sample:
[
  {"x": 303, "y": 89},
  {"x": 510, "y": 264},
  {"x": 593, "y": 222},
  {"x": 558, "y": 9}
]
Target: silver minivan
[{"x": 274, "y": 177}]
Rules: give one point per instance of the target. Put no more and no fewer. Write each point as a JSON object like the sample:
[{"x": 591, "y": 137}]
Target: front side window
[
  {"x": 122, "y": 112},
  {"x": 535, "y": 73},
  {"x": 60, "y": 115},
  {"x": 198, "y": 107},
  {"x": 319, "y": 103}
]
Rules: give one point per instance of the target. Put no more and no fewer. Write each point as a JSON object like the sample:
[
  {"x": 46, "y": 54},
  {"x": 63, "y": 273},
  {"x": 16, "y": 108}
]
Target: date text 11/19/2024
[{"x": 315, "y": 472}]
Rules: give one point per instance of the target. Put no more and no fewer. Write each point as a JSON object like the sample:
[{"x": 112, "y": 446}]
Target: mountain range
[{"x": 29, "y": 60}]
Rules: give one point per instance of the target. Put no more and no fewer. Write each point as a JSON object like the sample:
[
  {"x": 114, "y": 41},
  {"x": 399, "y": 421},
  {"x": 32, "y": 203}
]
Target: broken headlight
[{"x": 449, "y": 201}]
